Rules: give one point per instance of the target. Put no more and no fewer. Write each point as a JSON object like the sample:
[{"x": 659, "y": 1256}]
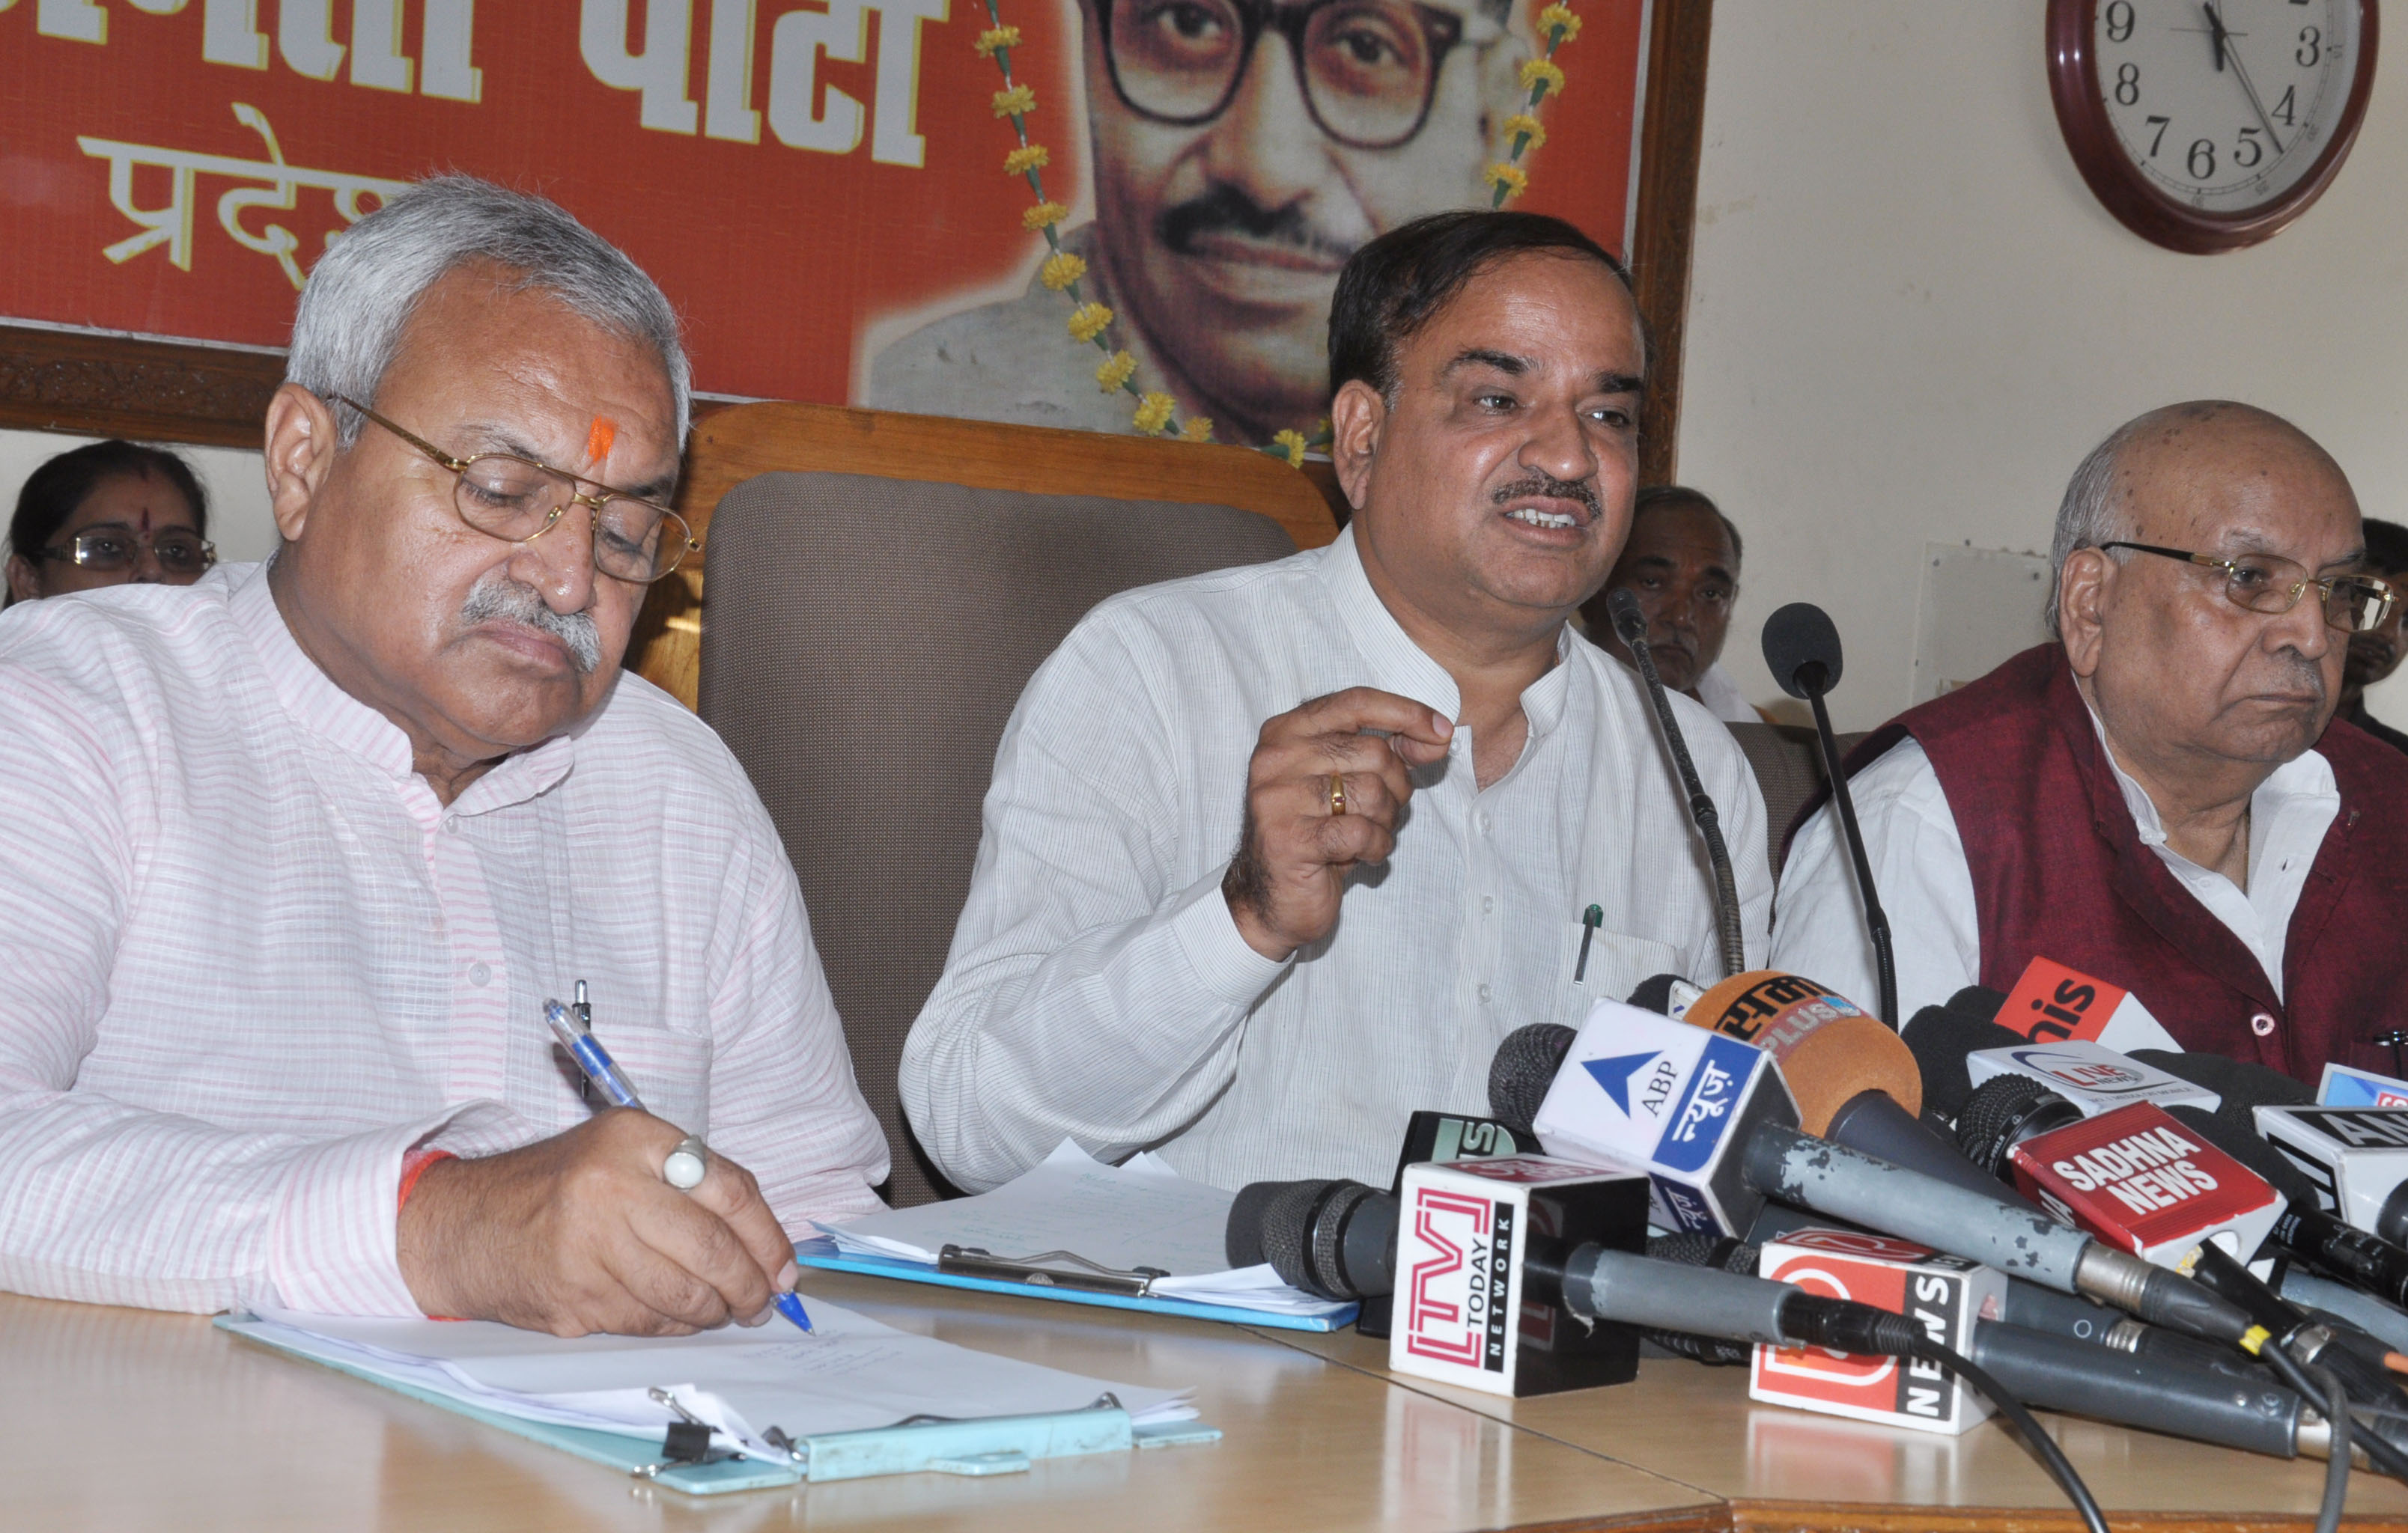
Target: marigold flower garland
[
  {"x": 1090, "y": 323},
  {"x": 1541, "y": 77}
]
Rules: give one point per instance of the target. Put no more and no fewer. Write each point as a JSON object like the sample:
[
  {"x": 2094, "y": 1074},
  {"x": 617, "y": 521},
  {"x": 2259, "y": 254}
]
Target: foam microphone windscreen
[
  {"x": 1522, "y": 1069},
  {"x": 1801, "y": 634},
  {"x": 1941, "y": 1038},
  {"x": 1829, "y": 1048},
  {"x": 1242, "y": 1239},
  {"x": 1654, "y": 994},
  {"x": 2235, "y": 1136},
  {"x": 2234, "y": 1080}
]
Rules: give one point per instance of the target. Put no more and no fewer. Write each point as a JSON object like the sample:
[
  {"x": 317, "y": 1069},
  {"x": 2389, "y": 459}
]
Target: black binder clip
[{"x": 1049, "y": 1270}]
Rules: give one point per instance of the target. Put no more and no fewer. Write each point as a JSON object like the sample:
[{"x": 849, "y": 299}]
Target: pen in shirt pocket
[
  {"x": 1591, "y": 919},
  {"x": 690, "y": 1161}
]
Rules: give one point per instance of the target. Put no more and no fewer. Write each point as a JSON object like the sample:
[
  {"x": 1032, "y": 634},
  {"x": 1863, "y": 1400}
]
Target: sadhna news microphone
[
  {"x": 1802, "y": 645},
  {"x": 1630, "y": 626}
]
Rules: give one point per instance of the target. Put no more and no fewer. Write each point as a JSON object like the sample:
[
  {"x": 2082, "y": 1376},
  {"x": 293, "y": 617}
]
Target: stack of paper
[
  {"x": 1139, "y": 1214},
  {"x": 848, "y": 1374}
]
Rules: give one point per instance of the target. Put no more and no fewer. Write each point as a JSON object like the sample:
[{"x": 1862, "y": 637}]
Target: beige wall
[{"x": 1908, "y": 319}]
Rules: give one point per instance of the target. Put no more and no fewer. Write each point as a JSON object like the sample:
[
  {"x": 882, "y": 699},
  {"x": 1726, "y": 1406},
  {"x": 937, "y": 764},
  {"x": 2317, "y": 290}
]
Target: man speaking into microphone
[
  {"x": 2157, "y": 798},
  {"x": 1276, "y": 856}
]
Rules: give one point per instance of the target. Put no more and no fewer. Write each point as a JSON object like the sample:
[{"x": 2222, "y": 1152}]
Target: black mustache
[
  {"x": 1225, "y": 209},
  {"x": 1552, "y": 488}
]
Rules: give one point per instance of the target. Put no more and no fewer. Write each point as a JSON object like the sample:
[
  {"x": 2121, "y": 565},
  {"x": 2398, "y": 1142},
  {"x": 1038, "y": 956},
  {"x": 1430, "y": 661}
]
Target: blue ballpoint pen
[{"x": 690, "y": 1162}]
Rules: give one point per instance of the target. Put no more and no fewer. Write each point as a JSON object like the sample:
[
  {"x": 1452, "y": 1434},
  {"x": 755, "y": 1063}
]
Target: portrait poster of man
[
  {"x": 1239, "y": 152},
  {"x": 818, "y": 185}
]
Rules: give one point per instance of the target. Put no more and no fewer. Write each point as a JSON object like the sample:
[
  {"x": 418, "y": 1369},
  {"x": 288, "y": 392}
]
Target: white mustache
[{"x": 501, "y": 598}]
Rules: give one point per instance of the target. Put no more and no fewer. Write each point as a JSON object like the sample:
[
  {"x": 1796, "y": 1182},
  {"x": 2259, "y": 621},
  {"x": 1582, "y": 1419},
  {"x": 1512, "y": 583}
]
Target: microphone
[
  {"x": 1713, "y": 1126},
  {"x": 1854, "y": 1082},
  {"x": 2053, "y": 1004},
  {"x": 1942, "y": 1037},
  {"x": 2137, "y": 1179},
  {"x": 2356, "y": 1156},
  {"x": 1803, "y": 647},
  {"x": 2111, "y": 1368},
  {"x": 2364, "y": 1260},
  {"x": 1522, "y": 1069},
  {"x": 1630, "y": 626}
]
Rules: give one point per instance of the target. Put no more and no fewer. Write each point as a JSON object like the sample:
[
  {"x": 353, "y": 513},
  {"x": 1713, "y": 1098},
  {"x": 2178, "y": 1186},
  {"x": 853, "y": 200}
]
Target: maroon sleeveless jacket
[{"x": 2059, "y": 871}]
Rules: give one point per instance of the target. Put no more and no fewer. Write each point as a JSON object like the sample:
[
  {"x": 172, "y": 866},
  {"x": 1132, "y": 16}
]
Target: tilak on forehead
[{"x": 598, "y": 440}]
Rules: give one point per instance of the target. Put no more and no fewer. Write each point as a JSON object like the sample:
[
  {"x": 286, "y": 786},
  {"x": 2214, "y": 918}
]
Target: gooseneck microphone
[
  {"x": 1802, "y": 646},
  {"x": 1630, "y": 626}
]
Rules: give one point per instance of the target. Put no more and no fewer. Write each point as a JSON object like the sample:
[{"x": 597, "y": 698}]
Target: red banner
[{"x": 811, "y": 184}]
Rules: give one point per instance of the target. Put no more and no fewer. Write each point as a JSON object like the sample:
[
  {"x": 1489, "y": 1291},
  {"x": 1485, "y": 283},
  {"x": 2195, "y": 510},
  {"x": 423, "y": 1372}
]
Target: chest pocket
[
  {"x": 1617, "y": 961},
  {"x": 669, "y": 1070}
]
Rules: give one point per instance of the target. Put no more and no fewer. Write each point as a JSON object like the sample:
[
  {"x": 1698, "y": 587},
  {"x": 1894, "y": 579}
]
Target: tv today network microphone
[
  {"x": 1801, "y": 647},
  {"x": 1630, "y": 626}
]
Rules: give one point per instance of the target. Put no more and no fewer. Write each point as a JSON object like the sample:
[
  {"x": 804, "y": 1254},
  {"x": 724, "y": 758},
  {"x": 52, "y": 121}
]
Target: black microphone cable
[
  {"x": 1630, "y": 625},
  {"x": 1845, "y": 1326},
  {"x": 2320, "y": 1388}
]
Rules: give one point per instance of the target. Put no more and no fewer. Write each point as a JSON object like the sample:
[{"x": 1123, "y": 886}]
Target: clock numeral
[
  {"x": 2160, "y": 137},
  {"x": 2119, "y": 21},
  {"x": 2128, "y": 84},
  {"x": 2201, "y": 159},
  {"x": 2286, "y": 108},
  {"x": 2248, "y": 147},
  {"x": 2310, "y": 41}
]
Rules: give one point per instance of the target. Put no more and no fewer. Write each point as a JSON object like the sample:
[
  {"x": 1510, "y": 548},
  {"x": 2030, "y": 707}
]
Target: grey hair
[
  {"x": 364, "y": 290},
  {"x": 2092, "y": 512}
]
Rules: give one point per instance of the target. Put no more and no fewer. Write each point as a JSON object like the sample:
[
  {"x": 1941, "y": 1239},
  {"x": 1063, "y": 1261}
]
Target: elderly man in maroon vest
[{"x": 2160, "y": 799}]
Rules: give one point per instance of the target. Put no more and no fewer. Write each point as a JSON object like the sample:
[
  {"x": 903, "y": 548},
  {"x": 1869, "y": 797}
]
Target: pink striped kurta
[{"x": 248, "y": 961}]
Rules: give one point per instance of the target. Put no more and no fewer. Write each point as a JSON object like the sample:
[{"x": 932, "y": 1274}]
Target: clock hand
[{"x": 2241, "y": 72}]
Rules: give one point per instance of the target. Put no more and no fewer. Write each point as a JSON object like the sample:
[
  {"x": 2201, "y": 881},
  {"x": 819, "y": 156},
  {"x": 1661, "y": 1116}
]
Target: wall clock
[{"x": 2209, "y": 125}]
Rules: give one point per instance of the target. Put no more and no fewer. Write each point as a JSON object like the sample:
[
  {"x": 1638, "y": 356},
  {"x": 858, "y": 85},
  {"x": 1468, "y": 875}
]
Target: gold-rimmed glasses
[
  {"x": 518, "y": 500},
  {"x": 2270, "y": 583}
]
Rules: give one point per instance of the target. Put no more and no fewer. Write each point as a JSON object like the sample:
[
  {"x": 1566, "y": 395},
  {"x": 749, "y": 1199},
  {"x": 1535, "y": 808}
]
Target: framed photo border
[{"x": 94, "y": 383}]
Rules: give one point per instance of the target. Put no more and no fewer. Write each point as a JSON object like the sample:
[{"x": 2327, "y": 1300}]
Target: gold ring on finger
[{"x": 1338, "y": 793}]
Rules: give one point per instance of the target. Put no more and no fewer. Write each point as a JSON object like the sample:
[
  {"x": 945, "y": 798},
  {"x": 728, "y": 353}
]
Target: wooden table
[{"x": 123, "y": 1419}]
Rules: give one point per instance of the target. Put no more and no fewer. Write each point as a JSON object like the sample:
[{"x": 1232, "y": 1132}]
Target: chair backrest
[
  {"x": 733, "y": 443},
  {"x": 1788, "y": 765},
  {"x": 867, "y": 641}
]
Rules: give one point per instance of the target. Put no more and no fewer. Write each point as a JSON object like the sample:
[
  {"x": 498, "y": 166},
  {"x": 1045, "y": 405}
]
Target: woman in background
[{"x": 108, "y": 514}]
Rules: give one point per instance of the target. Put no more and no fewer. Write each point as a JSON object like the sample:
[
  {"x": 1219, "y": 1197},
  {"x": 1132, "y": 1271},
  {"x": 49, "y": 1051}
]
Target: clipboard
[
  {"x": 1071, "y": 1280},
  {"x": 975, "y": 1447}
]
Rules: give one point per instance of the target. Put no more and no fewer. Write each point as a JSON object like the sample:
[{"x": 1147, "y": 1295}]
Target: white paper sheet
[
  {"x": 1139, "y": 1214},
  {"x": 849, "y": 1374}
]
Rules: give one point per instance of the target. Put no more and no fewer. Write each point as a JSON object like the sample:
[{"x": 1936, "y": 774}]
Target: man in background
[
  {"x": 1681, "y": 565},
  {"x": 1242, "y": 151},
  {"x": 2156, "y": 797},
  {"x": 2375, "y": 654},
  {"x": 1202, "y": 920}
]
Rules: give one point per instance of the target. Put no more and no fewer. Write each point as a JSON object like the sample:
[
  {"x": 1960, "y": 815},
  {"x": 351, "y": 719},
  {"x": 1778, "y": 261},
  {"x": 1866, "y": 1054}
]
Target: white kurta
[
  {"x": 251, "y": 960},
  {"x": 1098, "y": 988}
]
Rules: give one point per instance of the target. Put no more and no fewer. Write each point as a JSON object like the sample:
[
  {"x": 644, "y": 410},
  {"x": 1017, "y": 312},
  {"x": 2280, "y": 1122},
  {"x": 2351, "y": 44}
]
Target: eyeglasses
[
  {"x": 2269, "y": 583},
  {"x": 1368, "y": 68},
  {"x": 518, "y": 500},
  {"x": 107, "y": 550}
]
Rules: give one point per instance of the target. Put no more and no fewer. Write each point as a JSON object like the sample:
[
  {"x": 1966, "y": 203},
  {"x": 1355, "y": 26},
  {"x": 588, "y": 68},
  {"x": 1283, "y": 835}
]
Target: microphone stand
[
  {"x": 1814, "y": 678},
  {"x": 1631, "y": 625}
]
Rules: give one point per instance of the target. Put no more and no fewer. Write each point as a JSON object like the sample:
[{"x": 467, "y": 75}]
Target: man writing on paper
[
  {"x": 296, "y": 855},
  {"x": 1276, "y": 856},
  {"x": 2149, "y": 800}
]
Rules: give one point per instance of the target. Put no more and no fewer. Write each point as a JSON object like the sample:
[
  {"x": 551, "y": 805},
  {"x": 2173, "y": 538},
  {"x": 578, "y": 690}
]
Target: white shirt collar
[
  {"x": 2306, "y": 780},
  {"x": 1402, "y": 666}
]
